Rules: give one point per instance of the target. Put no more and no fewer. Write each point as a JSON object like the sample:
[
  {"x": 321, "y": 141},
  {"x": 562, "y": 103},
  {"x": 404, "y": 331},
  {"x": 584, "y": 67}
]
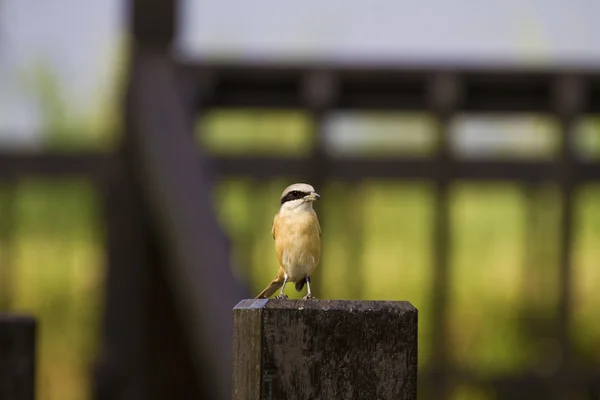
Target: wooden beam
[
  {"x": 97, "y": 166},
  {"x": 324, "y": 349},
  {"x": 54, "y": 164},
  {"x": 353, "y": 168},
  {"x": 390, "y": 88},
  {"x": 17, "y": 357}
]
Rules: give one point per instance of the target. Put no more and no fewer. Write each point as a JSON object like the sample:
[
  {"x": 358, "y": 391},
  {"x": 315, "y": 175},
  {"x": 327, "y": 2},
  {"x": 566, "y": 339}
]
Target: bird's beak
[{"x": 312, "y": 197}]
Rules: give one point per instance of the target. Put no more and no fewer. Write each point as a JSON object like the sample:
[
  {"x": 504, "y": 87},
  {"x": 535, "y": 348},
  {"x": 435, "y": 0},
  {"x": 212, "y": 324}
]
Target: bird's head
[{"x": 298, "y": 195}]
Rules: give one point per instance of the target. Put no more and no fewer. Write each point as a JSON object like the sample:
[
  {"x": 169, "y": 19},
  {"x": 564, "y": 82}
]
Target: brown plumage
[{"x": 297, "y": 236}]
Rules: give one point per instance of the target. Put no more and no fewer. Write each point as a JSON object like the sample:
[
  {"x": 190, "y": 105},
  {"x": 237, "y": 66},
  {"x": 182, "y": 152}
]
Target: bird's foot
[
  {"x": 281, "y": 296},
  {"x": 309, "y": 297}
]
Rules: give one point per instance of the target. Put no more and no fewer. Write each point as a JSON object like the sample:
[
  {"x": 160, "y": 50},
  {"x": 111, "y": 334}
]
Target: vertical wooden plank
[
  {"x": 247, "y": 350},
  {"x": 154, "y": 22},
  {"x": 17, "y": 357},
  {"x": 568, "y": 103},
  {"x": 121, "y": 370},
  {"x": 444, "y": 92},
  {"x": 176, "y": 190},
  {"x": 325, "y": 349}
]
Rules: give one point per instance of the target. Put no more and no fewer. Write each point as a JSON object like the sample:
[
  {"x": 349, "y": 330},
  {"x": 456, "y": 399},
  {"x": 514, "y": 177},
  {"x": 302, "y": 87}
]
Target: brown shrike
[{"x": 297, "y": 237}]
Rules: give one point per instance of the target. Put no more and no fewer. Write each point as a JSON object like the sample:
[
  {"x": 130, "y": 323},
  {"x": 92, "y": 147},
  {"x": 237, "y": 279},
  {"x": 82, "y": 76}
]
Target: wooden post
[
  {"x": 17, "y": 357},
  {"x": 324, "y": 349}
]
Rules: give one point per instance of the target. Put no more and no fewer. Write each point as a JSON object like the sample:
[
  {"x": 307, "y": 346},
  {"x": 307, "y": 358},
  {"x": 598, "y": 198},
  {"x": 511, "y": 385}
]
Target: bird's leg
[
  {"x": 281, "y": 294},
  {"x": 309, "y": 294}
]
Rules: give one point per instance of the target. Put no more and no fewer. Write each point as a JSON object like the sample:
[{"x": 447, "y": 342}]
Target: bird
[{"x": 297, "y": 235}]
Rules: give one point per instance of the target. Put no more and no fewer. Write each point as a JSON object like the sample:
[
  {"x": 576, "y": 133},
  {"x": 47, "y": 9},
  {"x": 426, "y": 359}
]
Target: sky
[
  {"x": 521, "y": 31},
  {"x": 80, "y": 38}
]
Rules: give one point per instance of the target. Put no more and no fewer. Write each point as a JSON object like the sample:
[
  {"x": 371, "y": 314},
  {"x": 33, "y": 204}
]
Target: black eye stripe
[{"x": 293, "y": 195}]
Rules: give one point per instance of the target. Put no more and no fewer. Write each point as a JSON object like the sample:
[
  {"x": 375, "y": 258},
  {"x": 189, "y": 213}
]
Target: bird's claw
[
  {"x": 281, "y": 296},
  {"x": 309, "y": 297}
]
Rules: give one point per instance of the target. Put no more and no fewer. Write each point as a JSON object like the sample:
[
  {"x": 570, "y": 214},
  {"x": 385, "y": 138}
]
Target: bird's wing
[
  {"x": 316, "y": 248},
  {"x": 318, "y": 225},
  {"x": 279, "y": 244},
  {"x": 273, "y": 233}
]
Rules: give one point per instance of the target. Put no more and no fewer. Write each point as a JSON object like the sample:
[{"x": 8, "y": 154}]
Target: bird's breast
[{"x": 298, "y": 244}]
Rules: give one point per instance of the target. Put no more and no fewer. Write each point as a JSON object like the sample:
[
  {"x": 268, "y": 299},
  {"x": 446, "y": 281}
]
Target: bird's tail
[{"x": 272, "y": 288}]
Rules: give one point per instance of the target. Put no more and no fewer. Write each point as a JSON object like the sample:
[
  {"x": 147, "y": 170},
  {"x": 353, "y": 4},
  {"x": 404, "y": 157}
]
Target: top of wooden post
[
  {"x": 324, "y": 349},
  {"x": 6, "y": 318},
  {"x": 327, "y": 305}
]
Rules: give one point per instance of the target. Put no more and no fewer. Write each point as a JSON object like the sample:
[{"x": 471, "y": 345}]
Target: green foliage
[{"x": 56, "y": 263}]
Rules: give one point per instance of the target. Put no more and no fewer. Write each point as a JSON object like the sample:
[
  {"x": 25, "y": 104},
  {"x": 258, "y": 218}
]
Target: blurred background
[{"x": 490, "y": 293}]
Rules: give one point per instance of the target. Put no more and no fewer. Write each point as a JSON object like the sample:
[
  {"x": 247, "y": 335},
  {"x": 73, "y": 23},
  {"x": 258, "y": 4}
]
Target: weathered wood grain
[{"x": 324, "y": 350}]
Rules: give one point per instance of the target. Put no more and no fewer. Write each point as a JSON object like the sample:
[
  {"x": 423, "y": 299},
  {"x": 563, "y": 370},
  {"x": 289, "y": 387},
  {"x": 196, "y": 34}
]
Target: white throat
[{"x": 296, "y": 206}]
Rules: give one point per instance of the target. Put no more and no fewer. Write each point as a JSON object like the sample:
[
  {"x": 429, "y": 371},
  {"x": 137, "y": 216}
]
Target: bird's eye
[{"x": 293, "y": 195}]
